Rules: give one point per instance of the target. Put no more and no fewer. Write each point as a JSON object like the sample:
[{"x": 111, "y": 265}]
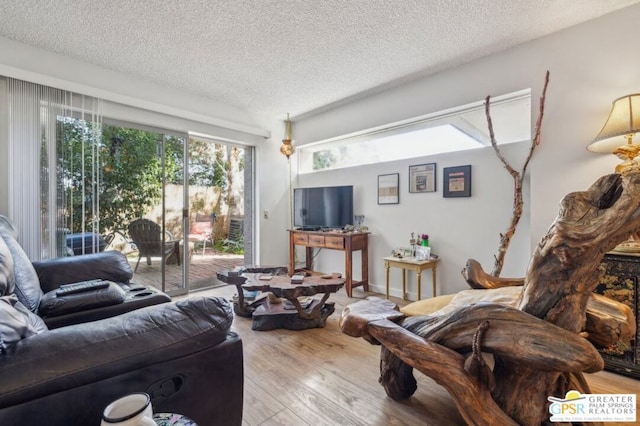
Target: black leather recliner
[
  {"x": 36, "y": 284},
  {"x": 183, "y": 353},
  {"x": 119, "y": 297}
]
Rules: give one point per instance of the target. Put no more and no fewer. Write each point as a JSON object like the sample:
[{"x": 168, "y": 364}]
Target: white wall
[
  {"x": 273, "y": 197},
  {"x": 458, "y": 228},
  {"x": 590, "y": 65}
]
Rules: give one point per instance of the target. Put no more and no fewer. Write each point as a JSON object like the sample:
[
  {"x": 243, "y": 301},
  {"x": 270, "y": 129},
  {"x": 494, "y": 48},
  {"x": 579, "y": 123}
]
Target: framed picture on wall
[
  {"x": 388, "y": 188},
  {"x": 422, "y": 178},
  {"x": 457, "y": 181}
]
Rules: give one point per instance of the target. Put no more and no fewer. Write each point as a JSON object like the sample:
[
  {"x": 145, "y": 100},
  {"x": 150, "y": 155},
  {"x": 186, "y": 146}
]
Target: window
[
  {"x": 456, "y": 129},
  {"x": 75, "y": 174}
]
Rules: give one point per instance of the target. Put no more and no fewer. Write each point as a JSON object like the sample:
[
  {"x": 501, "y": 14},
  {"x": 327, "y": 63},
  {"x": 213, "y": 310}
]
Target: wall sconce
[
  {"x": 616, "y": 136},
  {"x": 287, "y": 147}
]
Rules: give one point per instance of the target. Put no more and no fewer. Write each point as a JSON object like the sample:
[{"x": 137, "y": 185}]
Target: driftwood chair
[
  {"x": 148, "y": 238},
  {"x": 537, "y": 341}
]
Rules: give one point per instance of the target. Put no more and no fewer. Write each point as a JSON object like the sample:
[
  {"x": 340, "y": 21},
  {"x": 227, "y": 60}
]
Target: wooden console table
[
  {"x": 413, "y": 265},
  {"x": 333, "y": 240}
]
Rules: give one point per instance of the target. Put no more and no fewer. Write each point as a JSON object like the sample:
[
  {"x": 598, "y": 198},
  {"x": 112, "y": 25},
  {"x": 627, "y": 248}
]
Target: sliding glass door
[
  {"x": 217, "y": 191},
  {"x": 179, "y": 209},
  {"x": 120, "y": 187},
  {"x": 142, "y": 202}
]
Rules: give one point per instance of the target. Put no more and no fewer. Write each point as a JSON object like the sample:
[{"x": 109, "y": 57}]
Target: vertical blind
[{"x": 39, "y": 188}]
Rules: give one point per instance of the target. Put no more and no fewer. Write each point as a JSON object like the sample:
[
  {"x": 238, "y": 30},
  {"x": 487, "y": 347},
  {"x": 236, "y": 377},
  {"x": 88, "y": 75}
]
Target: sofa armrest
[
  {"x": 109, "y": 265},
  {"x": 74, "y": 356}
]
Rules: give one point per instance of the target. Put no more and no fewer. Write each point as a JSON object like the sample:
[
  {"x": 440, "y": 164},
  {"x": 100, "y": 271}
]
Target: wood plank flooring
[{"x": 322, "y": 377}]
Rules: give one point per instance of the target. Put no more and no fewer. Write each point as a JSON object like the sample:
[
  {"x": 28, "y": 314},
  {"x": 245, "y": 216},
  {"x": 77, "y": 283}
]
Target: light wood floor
[{"x": 323, "y": 377}]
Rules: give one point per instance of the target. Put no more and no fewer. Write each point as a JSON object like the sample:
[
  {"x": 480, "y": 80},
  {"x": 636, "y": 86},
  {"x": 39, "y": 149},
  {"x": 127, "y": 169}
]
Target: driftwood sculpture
[{"x": 537, "y": 340}]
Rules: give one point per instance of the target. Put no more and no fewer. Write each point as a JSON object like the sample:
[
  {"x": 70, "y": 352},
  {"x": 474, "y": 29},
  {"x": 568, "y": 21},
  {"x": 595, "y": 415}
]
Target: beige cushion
[
  {"x": 427, "y": 306},
  {"x": 447, "y": 303}
]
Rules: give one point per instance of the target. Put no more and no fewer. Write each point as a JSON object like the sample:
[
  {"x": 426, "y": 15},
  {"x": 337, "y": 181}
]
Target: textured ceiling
[{"x": 278, "y": 56}]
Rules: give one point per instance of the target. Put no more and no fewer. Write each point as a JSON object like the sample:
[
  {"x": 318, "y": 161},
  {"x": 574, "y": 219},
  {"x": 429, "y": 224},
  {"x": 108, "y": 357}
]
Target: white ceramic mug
[{"x": 131, "y": 410}]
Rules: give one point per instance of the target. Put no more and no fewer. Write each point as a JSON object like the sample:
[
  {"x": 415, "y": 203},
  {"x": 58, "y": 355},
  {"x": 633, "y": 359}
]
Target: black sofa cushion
[
  {"x": 108, "y": 265},
  {"x": 176, "y": 352},
  {"x": 71, "y": 356},
  {"x": 52, "y": 305},
  {"x": 135, "y": 298}
]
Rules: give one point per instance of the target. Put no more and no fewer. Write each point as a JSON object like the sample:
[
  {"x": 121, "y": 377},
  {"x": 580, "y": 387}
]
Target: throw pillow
[
  {"x": 427, "y": 306},
  {"x": 17, "y": 322},
  {"x": 442, "y": 305},
  {"x": 8, "y": 224},
  {"x": 7, "y": 278},
  {"x": 53, "y": 305},
  {"x": 26, "y": 280}
]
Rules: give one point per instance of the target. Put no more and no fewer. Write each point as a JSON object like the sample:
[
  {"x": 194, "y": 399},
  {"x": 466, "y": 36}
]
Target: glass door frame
[{"x": 184, "y": 136}]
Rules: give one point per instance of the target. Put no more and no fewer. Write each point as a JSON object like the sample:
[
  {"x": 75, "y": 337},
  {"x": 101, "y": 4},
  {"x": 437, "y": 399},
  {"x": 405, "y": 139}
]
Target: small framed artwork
[
  {"x": 457, "y": 181},
  {"x": 388, "y": 188},
  {"x": 422, "y": 178}
]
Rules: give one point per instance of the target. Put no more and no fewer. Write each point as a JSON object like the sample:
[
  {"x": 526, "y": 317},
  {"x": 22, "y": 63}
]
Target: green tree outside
[{"x": 110, "y": 175}]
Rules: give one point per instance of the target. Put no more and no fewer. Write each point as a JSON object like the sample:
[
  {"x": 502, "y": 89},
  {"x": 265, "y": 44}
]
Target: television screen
[{"x": 323, "y": 207}]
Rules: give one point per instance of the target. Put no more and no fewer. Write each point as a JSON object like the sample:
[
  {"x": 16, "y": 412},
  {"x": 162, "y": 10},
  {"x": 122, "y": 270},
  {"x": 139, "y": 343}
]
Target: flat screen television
[{"x": 323, "y": 207}]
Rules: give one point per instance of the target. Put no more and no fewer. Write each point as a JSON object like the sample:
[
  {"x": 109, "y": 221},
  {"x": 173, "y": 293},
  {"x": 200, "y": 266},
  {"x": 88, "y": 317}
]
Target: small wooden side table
[{"x": 411, "y": 264}]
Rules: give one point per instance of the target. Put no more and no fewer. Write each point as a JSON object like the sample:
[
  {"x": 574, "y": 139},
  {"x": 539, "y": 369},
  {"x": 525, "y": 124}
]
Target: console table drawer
[
  {"x": 347, "y": 242},
  {"x": 300, "y": 239},
  {"x": 334, "y": 242},
  {"x": 316, "y": 240}
]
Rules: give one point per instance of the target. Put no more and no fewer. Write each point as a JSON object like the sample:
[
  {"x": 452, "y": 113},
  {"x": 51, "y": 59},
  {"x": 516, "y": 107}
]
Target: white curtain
[{"x": 39, "y": 188}]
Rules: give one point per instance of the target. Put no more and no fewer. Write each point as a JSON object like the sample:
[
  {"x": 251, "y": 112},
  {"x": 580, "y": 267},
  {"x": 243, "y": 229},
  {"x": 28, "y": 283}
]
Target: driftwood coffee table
[
  {"x": 291, "y": 314},
  {"x": 242, "y": 305}
]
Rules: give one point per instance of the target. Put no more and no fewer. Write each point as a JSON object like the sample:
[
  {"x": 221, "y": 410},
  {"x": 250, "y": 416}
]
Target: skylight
[{"x": 458, "y": 129}]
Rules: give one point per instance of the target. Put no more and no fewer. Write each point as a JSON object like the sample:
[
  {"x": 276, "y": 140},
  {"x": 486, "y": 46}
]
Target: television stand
[{"x": 348, "y": 242}]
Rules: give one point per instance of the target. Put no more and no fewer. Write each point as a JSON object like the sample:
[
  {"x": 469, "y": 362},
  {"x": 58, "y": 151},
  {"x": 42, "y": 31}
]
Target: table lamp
[{"x": 616, "y": 136}]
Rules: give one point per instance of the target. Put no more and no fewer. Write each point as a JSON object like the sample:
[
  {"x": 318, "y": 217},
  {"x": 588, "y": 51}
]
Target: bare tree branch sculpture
[{"x": 518, "y": 179}]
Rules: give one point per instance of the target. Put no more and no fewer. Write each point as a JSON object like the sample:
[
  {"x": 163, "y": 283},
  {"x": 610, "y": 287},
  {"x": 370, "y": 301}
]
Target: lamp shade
[{"x": 624, "y": 119}]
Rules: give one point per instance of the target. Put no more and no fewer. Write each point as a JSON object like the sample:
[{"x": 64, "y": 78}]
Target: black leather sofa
[{"x": 184, "y": 353}]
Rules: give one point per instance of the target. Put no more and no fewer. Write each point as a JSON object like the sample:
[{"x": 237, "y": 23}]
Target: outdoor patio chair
[
  {"x": 235, "y": 239},
  {"x": 202, "y": 230},
  {"x": 147, "y": 236}
]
